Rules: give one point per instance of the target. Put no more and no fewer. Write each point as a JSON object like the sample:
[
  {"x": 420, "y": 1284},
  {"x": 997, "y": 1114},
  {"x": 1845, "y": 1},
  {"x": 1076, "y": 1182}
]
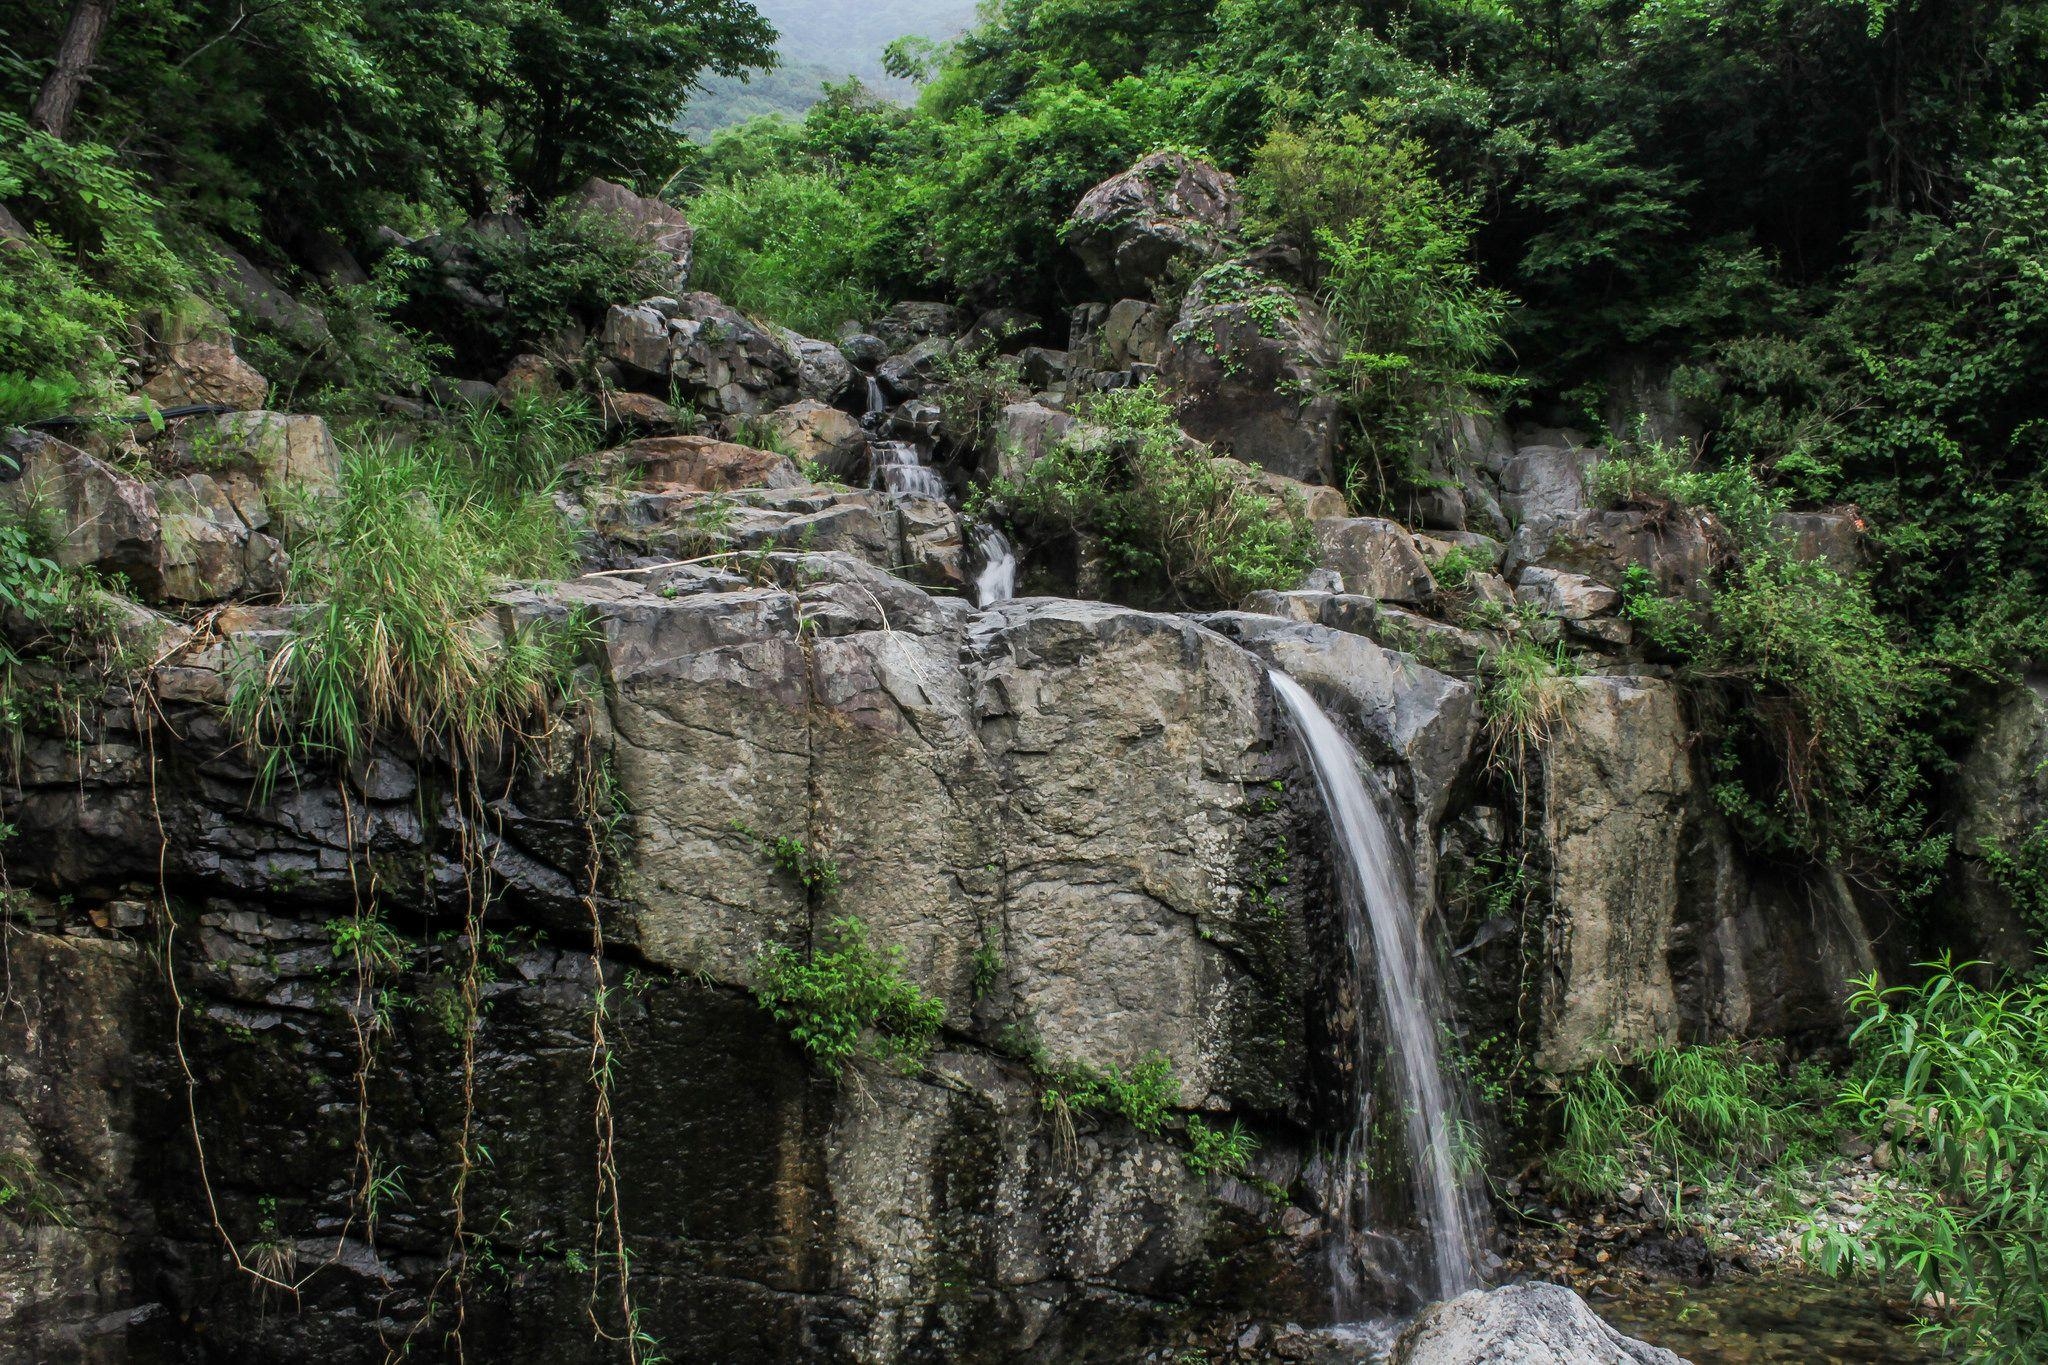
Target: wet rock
[
  {"x": 864, "y": 349},
  {"x": 1132, "y": 229},
  {"x": 1523, "y": 1324},
  {"x": 912, "y": 321},
  {"x": 1244, "y": 367}
]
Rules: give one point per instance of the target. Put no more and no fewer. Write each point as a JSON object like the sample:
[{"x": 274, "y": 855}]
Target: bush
[
  {"x": 791, "y": 247},
  {"x": 847, "y": 999},
  {"x": 96, "y": 256},
  {"x": 398, "y": 570},
  {"x": 1163, "y": 507},
  {"x": 1145, "y": 1097},
  {"x": 1955, "y": 1085},
  {"x": 1707, "y": 1111},
  {"x": 1392, "y": 252}
]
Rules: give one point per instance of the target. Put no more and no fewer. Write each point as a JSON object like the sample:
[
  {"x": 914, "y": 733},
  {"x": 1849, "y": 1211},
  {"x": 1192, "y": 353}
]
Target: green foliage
[
  {"x": 1163, "y": 508},
  {"x": 1706, "y": 1111},
  {"x": 847, "y": 999},
  {"x": 1955, "y": 1084},
  {"x": 1219, "y": 1151},
  {"x": 94, "y": 259},
  {"x": 808, "y": 867},
  {"x": 1144, "y": 1097},
  {"x": 793, "y": 248},
  {"x": 1520, "y": 697},
  {"x": 397, "y": 571},
  {"x": 2020, "y": 869}
]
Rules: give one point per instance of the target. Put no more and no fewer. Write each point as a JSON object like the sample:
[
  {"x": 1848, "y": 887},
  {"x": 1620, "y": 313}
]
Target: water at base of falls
[{"x": 1380, "y": 921}]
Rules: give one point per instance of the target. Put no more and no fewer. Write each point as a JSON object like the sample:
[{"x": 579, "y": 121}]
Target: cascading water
[
  {"x": 900, "y": 469},
  {"x": 877, "y": 404},
  {"x": 997, "y": 581},
  {"x": 1379, "y": 917}
]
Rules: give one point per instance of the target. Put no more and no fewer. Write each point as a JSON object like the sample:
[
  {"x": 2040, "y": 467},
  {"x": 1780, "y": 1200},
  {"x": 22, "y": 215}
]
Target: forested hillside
[{"x": 1100, "y": 680}]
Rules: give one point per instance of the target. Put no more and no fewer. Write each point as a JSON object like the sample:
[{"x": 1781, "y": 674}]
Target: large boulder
[
  {"x": 1245, "y": 371},
  {"x": 824, "y": 436},
  {"x": 190, "y": 358},
  {"x": 914, "y": 320},
  {"x": 1679, "y": 547},
  {"x": 726, "y": 363},
  {"x": 1376, "y": 558},
  {"x": 822, "y": 372},
  {"x": 659, "y": 225},
  {"x": 109, "y": 518},
  {"x": 1025, "y": 434},
  {"x": 1522, "y": 1324},
  {"x": 913, "y": 371},
  {"x": 1169, "y": 209}
]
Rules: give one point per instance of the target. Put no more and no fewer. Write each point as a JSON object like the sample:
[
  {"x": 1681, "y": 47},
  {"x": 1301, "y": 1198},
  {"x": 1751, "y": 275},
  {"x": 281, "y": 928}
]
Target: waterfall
[
  {"x": 1380, "y": 918},
  {"x": 997, "y": 581},
  {"x": 902, "y": 471},
  {"x": 876, "y": 403}
]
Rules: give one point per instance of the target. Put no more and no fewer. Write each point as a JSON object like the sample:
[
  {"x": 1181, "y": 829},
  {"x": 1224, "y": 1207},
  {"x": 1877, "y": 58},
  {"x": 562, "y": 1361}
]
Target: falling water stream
[{"x": 1380, "y": 921}]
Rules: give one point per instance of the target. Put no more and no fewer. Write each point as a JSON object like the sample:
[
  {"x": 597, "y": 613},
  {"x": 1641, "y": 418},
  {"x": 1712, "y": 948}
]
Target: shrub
[
  {"x": 1706, "y": 1111},
  {"x": 1145, "y": 1097},
  {"x": 791, "y": 247},
  {"x": 808, "y": 867},
  {"x": 847, "y": 998},
  {"x": 1218, "y": 1151},
  {"x": 96, "y": 256},
  {"x": 398, "y": 569},
  {"x": 1162, "y": 506},
  {"x": 1520, "y": 697},
  {"x": 1392, "y": 251},
  {"x": 1955, "y": 1084}
]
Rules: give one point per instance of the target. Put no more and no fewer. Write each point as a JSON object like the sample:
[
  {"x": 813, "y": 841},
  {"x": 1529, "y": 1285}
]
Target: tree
[
  {"x": 596, "y": 86},
  {"x": 75, "y": 56}
]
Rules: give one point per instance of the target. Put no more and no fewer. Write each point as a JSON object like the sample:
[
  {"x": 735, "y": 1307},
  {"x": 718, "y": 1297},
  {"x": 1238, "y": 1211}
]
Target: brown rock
[{"x": 706, "y": 465}]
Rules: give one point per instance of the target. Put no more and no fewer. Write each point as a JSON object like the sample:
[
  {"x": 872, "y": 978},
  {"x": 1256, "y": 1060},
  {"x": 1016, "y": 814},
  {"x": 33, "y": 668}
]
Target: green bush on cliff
[
  {"x": 396, "y": 571},
  {"x": 1163, "y": 509},
  {"x": 1954, "y": 1084},
  {"x": 846, "y": 998}
]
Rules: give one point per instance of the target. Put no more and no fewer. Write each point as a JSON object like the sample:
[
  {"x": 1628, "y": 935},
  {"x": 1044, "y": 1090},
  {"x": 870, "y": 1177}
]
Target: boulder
[
  {"x": 109, "y": 518},
  {"x": 1521, "y": 1324},
  {"x": 825, "y": 436},
  {"x": 1833, "y": 537},
  {"x": 659, "y": 225},
  {"x": 1377, "y": 558},
  {"x": 260, "y": 302},
  {"x": 209, "y": 551},
  {"x": 909, "y": 374},
  {"x": 1546, "y": 482},
  {"x": 529, "y": 374},
  {"x": 1680, "y": 547},
  {"x": 191, "y": 359},
  {"x": 1043, "y": 368},
  {"x": 822, "y": 373},
  {"x": 1169, "y": 209},
  {"x": 725, "y": 363},
  {"x": 704, "y": 465},
  {"x": 1244, "y": 371},
  {"x": 1134, "y": 333},
  {"x": 912, "y": 321},
  {"x": 293, "y": 455},
  {"x": 999, "y": 329},
  {"x": 1318, "y": 501},
  {"x": 1459, "y": 487},
  {"x": 1568, "y": 596},
  {"x": 629, "y": 413},
  {"x": 2000, "y": 809},
  {"x": 864, "y": 350},
  {"x": 636, "y": 339},
  {"x": 1024, "y": 434}
]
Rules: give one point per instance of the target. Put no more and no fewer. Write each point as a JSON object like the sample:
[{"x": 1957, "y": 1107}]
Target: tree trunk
[{"x": 75, "y": 56}]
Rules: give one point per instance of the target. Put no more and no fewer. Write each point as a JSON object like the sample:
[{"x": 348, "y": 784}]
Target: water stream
[
  {"x": 997, "y": 581},
  {"x": 1381, "y": 923}
]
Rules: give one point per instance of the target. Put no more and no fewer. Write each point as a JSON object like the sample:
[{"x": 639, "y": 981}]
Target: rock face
[
  {"x": 1523, "y": 1324},
  {"x": 1168, "y": 209},
  {"x": 192, "y": 358},
  {"x": 824, "y": 435},
  {"x": 1663, "y": 931},
  {"x": 1243, "y": 371},
  {"x": 2001, "y": 820},
  {"x": 1048, "y": 806}
]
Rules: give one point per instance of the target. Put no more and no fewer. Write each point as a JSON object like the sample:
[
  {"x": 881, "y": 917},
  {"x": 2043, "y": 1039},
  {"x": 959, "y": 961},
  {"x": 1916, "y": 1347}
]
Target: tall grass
[{"x": 397, "y": 570}]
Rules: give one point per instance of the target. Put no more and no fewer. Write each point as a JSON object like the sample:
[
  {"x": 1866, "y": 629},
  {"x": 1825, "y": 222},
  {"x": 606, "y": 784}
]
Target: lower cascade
[
  {"x": 997, "y": 581},
  {"x": 1380, "y": 920}
]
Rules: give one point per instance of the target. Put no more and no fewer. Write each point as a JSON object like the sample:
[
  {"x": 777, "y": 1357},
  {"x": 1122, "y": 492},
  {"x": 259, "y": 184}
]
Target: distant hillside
[{"x": 824, "y": 40}]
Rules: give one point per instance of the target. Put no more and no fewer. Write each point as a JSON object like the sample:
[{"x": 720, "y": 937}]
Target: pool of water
[{"x": 1763, "y": 1321}]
